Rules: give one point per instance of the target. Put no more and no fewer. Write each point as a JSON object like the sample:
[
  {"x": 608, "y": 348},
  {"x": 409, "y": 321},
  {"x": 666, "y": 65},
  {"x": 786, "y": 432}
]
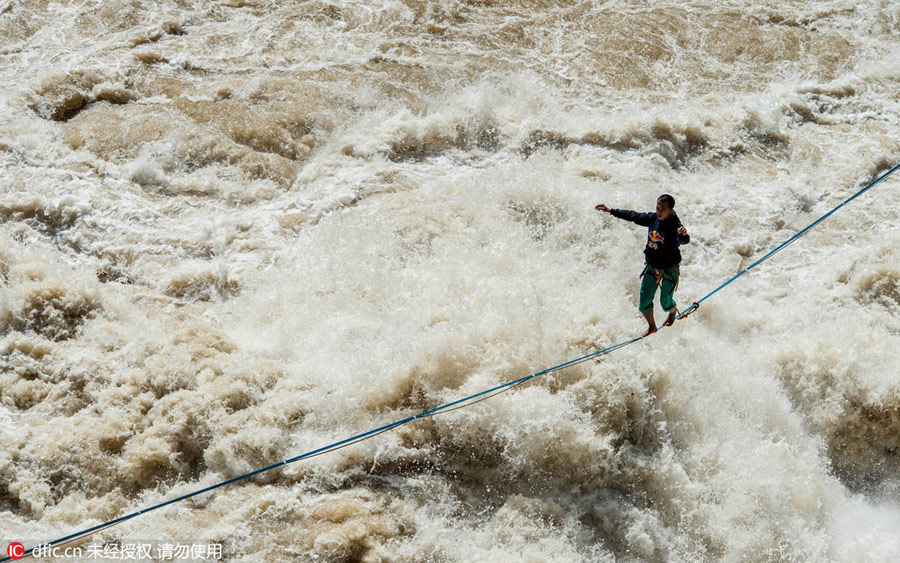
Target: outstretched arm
[{"x": 643, "y": 219}]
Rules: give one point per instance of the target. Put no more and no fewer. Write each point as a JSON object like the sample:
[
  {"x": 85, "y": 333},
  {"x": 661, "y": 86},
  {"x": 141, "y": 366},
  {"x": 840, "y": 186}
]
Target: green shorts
[{"x": 666, "y": 279}]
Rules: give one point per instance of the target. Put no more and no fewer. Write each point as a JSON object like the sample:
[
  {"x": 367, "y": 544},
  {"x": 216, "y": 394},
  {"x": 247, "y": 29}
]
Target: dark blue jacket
[{"x": 662, "y": 237}]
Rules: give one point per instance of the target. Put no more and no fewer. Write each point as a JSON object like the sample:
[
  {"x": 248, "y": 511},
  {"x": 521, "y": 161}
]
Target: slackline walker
[{"x": 458, "y": 404}]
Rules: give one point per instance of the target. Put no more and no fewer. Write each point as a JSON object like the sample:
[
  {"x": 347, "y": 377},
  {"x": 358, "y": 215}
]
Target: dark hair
[{"x": 668, "y": 200}]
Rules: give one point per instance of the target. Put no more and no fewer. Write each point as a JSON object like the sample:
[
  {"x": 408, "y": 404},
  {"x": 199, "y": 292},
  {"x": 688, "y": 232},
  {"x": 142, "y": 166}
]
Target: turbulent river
[{"x": 235, "y": 231}]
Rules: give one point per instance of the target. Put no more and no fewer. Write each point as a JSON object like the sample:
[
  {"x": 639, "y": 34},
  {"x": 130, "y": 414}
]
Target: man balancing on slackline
[{"x": 664, "y": 236}]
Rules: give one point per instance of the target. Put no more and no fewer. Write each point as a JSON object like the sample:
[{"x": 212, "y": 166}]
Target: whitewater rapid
[{"x": 232, "y": 232}]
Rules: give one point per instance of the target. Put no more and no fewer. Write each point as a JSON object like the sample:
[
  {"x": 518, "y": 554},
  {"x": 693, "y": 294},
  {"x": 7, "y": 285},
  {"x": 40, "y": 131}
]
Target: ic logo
[{"x": 15, "y": 550}]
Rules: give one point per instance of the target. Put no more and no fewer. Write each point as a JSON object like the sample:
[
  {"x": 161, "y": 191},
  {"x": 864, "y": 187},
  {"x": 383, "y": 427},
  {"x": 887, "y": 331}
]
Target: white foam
[{"x": 410, "y": 221}]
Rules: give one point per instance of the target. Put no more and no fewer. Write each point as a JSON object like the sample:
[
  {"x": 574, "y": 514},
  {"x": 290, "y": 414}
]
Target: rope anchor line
[
  {"x": 448, "y": 407},
  {"x": 689, "y": 311}
]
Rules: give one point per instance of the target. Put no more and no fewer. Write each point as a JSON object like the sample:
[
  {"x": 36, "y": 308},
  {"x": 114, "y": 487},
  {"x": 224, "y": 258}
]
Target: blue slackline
[{"x": 460, "y": 403}]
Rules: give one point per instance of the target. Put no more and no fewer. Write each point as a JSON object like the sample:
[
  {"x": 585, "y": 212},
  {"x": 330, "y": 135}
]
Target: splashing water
[{"x": 231, "y": 232}]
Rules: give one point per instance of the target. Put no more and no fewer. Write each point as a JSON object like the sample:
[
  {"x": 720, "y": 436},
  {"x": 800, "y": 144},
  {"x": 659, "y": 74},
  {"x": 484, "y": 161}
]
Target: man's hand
[
  {"x": 682, "y": 231},
  {"x": 602, "y": 207}
]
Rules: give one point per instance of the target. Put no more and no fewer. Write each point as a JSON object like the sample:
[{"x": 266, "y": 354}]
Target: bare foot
[
  {"x": 650, "y": 330},
  {"x": 670, "y": 320}
]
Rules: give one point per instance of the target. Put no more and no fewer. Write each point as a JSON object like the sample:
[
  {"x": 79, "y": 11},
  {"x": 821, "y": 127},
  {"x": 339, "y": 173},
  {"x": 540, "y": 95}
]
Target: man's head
[{"x": 665, "y": 206}]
